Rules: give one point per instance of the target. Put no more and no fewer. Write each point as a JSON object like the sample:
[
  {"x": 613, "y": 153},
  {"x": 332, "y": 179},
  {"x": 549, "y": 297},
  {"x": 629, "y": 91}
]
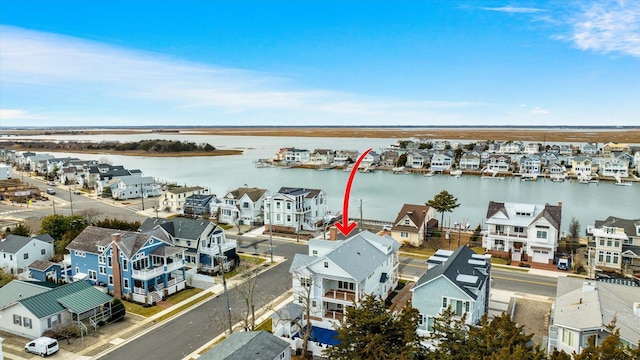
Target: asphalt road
[{"x": 188, "y": 332}]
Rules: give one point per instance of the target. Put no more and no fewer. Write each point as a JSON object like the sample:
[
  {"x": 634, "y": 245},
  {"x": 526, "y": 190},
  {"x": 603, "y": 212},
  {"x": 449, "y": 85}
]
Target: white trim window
[
  {"x": 17, "y": 319},
  {"x": 26, "y": 322},
  {"x": 125, "y": 283},
  {"x": 110, "y": 279},
  {"x": 93, "y": 275},
  {"x": 102, "y": 270}
]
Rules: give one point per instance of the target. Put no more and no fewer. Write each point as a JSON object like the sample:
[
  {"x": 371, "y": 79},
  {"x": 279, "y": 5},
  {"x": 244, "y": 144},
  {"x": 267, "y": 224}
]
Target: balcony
[
  {"x": 150, "y": 273},
  {"x": 523, "y": 235},
  {"x": 341, "y": 295},
  {"x": 334, "y": 315}
]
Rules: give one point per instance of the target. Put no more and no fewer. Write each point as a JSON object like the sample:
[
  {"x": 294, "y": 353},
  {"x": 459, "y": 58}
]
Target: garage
[{"x": 541, "y": 256}]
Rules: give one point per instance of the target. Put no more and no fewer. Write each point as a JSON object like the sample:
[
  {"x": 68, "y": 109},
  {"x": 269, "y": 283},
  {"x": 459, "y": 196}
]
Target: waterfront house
[
  {"x": 459, "y": 280},
  {"x": 530, "y": 164},
  {"x": 614, "y": 167},
  {"x": 196, "y": 205},
  {"x": 626, "y": 158},
  {"x": 470, "y": 161},
  {"x": 345, "y": 157},
  {"x": 173, "y": 199},
  {"x": 243, "y": 205},
  {"x": 98, "y": 175},
  {"x": 202, "y": 240},
  {"x": 584, "y": 308},
  {"x": 484, "y": 157},
  {"x": 389, "y": 158},
  {"x": 321, "y": 157},
  {"x": 293, "y": 155},
  {"x": 254, "y": 345},
  {"x": 548, "y": 157},
  {"x": 511, "y": 147},
  {"x": 532, "y": 148},
  {"x": 417, "y": 159},
  {"x": 440, "y": 145},
  {"x": 133, "y": 187},
  {"x": 589, "y": 149},
  {"x": 412, "y": 224},
  {"x": 498, "y": 164},
  {"x": 615, "y": 238},
  {"x": 526, "y": 231},
  {"x": 612, "y": 147},
  {"x": 17, "y": 252},
  {"x": 338, "y": 274},
  {"x": 371, "y": 159},
  {"x": 295, "y": 209},
  {"x": 557, "y": 171},
  {"x": 143, "y": 267},
  {"x": 581, "y": 166},
  {"x": 565, "y": 149},
  {"x": 441, "y": 162},
  {"x": 29, "y": 309}
]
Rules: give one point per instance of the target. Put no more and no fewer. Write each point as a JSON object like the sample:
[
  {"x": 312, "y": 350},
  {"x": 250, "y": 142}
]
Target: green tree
[
  {"x": 369, "y": 331},
  {"x": 118, "y": 224},
  {"x": 118, "y": 311},
  {"x": 610, "y": 349},
  {"x": 402, "y": 160},
  {"x": 22, "y": 230},
  {"x": 443, "y": 202},
  {"x": 62, "y": 229}
]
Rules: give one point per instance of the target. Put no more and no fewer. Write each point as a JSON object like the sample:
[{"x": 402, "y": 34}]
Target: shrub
[{"x": 118, "y": 310}]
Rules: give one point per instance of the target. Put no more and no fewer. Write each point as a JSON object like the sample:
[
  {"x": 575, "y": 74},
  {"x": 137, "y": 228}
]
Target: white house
[
  {"x": 589, "y": 149},
  {"x": 244, "y": 205},
  {"x": 460, "y": 280},
  {"x": 338, "y": 274},
  {"x": 616, "y": 243},
  {"x": 417, "y": 159},
  {"x": 295, "y": 209},
  {"x": 6, "y": 171},
  {"x": 470, "y": 161},
  {"x": 297, "y": 155},
  {"x": 321, "y": 157},
  {"x": 530, "y": 164},
  {"x": 134, "y": 187},
  {"x": 174, "y": 199},
  {"x": 17, "y": 252},
  {"x": 441, "y": 162},
  {"x": 614, "y": 167},
  {"x": 584, "y": 308},
  {"x": 498, "y": 164},
  {"x": 532, "y": 148},
  {"x": 371, "y": 159},
  {"x": 526, "y": 230},
  {"x": 510, "y": 147},
  {"x": 344, "y": 157}
]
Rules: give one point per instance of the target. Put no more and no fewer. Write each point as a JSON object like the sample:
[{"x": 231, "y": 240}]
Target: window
[
  {"x": 93, "y": 275},
  {"x": 608, "y": 256},
  {"x": 43, "y": 251},
  {"x": 125, "y": 283},
  {"x": 305, "y": 282},
  {"x": 600, "y": 256},
  {"x": 109, "y": 261},
  {"x": 326, "y": 264},
  {"x": 404, "y": 234},
  {"x": 609, "y": 242},
  {"x": 288, "y": 206},
  {"x": 568, "y": 337},
  {"x": 101, "y": 259},
  {"x": 110, "y": 279},
  {"x": 499, "y": 228},
  {"x": 406, "y": 221},
  {"x": 345, "y": 285},
  {"x": 313, "y": 303},
  {"x": 601, "y": 242},
  {"x": 444, "y": 302},
  {"x": 617, "y": 243},
  {"x": 54, "y": 320},
  {"x": 288, "y": 218},
  {"x": 17, "y": 319},
  {"x": 518, "y": 229},
  {"x": 314, "y": 252},
  {"x": 245, "y": 205},
  {"x": 466, "y": 306},
  {"x": 430, "y": 322},
  {"x": 125, "y": 265},
  {"x": 615, "y": 258},
  {"x": 27, "y": 322},
  {"x": 102, "y": 270},
  {"x": 541, "y": 234},
  {"x": 26, "y": 255}
]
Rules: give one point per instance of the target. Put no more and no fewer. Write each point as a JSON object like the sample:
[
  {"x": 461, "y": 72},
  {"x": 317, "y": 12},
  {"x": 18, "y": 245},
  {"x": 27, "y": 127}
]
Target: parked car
[
  {"x": 51, "y": 183},
  {"x": 42, "y": 346},
  {"x": 563, "y": 264},
  {"x": 51, "y": 191},
  {"x": 77, "y": 192}
]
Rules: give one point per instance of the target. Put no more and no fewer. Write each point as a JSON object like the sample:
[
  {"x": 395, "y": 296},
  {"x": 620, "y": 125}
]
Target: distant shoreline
[{"x": 530, "y": 134}]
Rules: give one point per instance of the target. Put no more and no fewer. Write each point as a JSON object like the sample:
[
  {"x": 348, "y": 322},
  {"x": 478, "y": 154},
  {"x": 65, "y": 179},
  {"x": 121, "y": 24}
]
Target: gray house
[
  {"x": 457, "y": 279},
  {"x": 254, "y": 345}
]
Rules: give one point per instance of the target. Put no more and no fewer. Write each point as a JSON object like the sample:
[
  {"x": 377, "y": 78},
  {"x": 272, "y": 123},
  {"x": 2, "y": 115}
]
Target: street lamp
[
  {"x": 221, "y": 259},
  {"x": 270, "y": 204}
]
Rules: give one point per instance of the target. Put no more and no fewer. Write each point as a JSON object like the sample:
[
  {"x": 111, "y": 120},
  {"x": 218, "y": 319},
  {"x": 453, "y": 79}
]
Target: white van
[{"x": 42, "y": 346}]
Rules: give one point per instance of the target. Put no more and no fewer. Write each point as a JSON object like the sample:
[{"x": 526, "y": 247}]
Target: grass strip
[{"x": 182, "y": 307}]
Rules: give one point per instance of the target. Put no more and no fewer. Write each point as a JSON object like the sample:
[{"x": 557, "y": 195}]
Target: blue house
[
  {"x": 44, "y": 270},
  {"x": 143, "y": 267},
  {"x": 457, "y": 279}
]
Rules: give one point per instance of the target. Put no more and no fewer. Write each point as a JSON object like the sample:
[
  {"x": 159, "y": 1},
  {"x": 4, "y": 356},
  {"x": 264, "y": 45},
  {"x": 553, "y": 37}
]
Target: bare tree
[
  {"x": 574, "y": 231},
  {"x": 90, "y": 215},
  {"x": 246, "y": 289},
  {"x": 302, "y": 295}
]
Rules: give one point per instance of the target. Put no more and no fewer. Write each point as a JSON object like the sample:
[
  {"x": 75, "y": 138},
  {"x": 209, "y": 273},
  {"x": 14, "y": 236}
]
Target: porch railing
[
  {"x": 341, "y": 295},
  {"x": 334, "y": 315}
]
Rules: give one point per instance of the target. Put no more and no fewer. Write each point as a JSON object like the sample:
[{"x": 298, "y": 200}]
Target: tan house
[
  {"x": 173, "y": 200},
  {"x": 411, "y": 225}
]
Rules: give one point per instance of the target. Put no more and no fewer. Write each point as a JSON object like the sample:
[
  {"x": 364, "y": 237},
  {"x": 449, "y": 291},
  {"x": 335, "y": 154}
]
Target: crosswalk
[{"x": 13, "y": 211}]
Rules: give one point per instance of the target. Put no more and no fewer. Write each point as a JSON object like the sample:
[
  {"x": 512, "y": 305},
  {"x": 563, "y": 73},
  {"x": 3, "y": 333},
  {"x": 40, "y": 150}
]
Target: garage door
[{"x": 540, "y": 256}]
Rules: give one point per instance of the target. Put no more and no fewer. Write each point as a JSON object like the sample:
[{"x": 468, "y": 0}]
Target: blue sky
[{"x": 79, "y": 63}]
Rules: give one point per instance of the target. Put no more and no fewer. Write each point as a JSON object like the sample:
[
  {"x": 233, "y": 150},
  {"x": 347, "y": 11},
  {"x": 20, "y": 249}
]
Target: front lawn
[{"x": 183, "y": 295}]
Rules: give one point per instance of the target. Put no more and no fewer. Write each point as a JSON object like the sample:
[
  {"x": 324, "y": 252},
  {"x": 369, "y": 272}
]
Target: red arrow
[{"x": 346, "y": 227}]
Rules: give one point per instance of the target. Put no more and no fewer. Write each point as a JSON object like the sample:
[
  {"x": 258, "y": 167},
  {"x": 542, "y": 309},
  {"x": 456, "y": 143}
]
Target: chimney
[
  {"x": 333, "y": 233},
  {"x": 115, "y": 261},
  {"x": 560, "y": 203}
]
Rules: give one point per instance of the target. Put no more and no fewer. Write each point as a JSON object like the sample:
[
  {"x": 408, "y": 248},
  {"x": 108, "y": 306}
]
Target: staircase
[{"x": 155, "y": 296}]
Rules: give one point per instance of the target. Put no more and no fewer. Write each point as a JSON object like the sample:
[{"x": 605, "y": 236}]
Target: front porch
[{"x": 158, "y": 288}]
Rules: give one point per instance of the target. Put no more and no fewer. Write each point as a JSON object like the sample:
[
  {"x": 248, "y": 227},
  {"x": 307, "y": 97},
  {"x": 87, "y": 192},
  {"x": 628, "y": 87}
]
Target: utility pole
[
  {"x": 53, "y": 201},
  {"x": 221, "y": 259},
  {"x": 360, "y": 215},
  {"x": 142, "y": 195},
  {"x": 71, "y": 201},
  {"x": 270, "y": 203}
]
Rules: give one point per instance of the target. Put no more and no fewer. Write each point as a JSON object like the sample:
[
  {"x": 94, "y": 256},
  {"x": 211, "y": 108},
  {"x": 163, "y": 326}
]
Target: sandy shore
[{"x": 536, "y": 135}]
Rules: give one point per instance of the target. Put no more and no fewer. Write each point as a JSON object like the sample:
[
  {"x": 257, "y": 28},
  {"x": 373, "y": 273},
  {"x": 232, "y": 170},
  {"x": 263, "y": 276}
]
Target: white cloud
[
  {"x": 514, "y": 9},
  {"x": 538, "y": 111},
  {"x": 18, "y": 114},
  {"x": 608, "y": 27},
  {"x": 100, "y": 75}
]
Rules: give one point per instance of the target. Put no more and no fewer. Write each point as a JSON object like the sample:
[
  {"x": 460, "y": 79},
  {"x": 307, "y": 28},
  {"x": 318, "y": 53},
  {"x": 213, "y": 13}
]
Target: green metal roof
[{"x": 74, "y": 296}]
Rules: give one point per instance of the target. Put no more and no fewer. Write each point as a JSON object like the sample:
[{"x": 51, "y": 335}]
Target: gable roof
[
  {"x": 180, "y": 227},
  {"x": 629, "y": 226},
  {"x": 253, "y": 193},
  {"x": 76, "y": 297},
  {"x": 416, "y": 213},
  {"x": 18, "y": 289},
  {"x": 461, "y": 267},
  {"x": 357, "y": 256},
  {"x": 92, "y": 237},
  {"x": 13, "y": 243},
  {"x": 308, "y": 193},
  {"x": 254, "y": 345},
  {"x": 506, "y": 213},
  {"x": 42, "y": 265}
]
